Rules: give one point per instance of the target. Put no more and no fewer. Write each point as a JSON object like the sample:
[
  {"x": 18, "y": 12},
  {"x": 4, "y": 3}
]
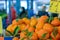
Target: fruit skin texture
[
  {"x": 15, "y": 22},
  {"x": 31, "y": 29},
  {"x": 33, "y": 21},
  {"x": 58, "y": 29},
  {"x": 55, "y": 22},
  {"x": 15, "y": 38},
  {"x": 34, "y": 36},
  {"x": 56, "y": 37},
  {"x": 36, "y": 31},
  {"x": 41, "y": 32},
  {"x": 22, "y": 27},
  {"x": 13, "y": 27},
  {"x": 22, "y": 34},
  {"x": 26, "y": 20},
  {"x": 9, "y": 28},
  {"x": 48, "y": 27},
  {"x": 39, "y": 25},
  {"x": 41, "y": 22},
  {"x": 43, "y": 18}
]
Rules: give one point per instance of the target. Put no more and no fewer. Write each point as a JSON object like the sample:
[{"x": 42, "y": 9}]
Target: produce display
[{"x": 43, "y": 28}]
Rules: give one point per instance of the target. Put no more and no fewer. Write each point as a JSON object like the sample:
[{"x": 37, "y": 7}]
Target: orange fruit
[
  {"x": 33, "y": 21},
  {"x": 55, "y": 22},
  {"x": 43, "y": 34},
  {"x": 22, "y": 34},
  {"x": 34, "y": 36},
  {"x": 58, "y": 36},
  {"x": 43, "y": 18},
  {"x": 40, "y": 25},
  {"x": 55, "y": 37},
  {"x": 13, "y": 27},
  {"x": 22, "y": 27},
  {"x": 36, "y": 31},
  {"x": 20, "y": 21},
  {"x": 9, "y": 28},
  {"x": 15, "y": 38},
  {"x": 26, "y": 21},
  {"x": 15, "y": 22},
  {"x": 27, "y": 26},
  {"x": 48, "y": 27},
  {"x": 31, "y": 29},
  {"x": 58, "y": 29}
]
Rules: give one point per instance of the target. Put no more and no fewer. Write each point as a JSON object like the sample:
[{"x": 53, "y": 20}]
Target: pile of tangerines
[{"x": 43, "y": 28}]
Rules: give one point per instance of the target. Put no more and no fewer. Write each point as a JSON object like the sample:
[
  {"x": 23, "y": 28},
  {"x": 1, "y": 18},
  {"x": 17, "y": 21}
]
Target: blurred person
[
  {"x": 42, "y": 11},
  {"x": 30, "y": 13},
  {"x": 13, "y": 12},
  {"x": 23, "y": 12}
]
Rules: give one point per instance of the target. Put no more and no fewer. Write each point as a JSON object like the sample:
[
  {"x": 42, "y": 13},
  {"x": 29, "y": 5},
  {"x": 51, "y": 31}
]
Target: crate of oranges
[{"x": 43, "y": 28}]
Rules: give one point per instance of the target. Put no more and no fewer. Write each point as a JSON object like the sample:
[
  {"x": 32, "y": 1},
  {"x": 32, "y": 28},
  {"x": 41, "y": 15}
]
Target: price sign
[
  {"x": 54, "y": 6},
  {"x": 1, "y": 27}
]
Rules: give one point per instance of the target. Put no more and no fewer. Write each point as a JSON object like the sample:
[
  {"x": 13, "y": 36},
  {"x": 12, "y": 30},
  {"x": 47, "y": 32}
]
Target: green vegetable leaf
[
  {"x": 10, "y": 33},
  {"x": 35, "y": 27},
  {"x": 25, "y": 31},
  {"x": 47, "y": 20},
  {"x": 16, "y": 31},
  {"x": 55, "y": 32},
  {"x": 44, "y": 35},
  {"x": 29, "y": 34},
  {"x": 50, "y": 38},
  {"x": 22, "y": 39},
  {"x": 50, "y": 19},
  {"x": 17, "y": 20}
]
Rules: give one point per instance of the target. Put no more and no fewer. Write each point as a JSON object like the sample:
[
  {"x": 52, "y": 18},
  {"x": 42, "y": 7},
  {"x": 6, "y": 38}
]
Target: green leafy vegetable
[
  {"x": 55, "y": 32},
  {"x": 50, "y": 19},
  {"x": 29, "y": 34},
  {"x": 16, "y": 31},
  {"x": 22, "y": 39},
  {"x": 50, "y": 38},
  {"x": 17, "y": 20},
  {"x": 25, "y": 31},
  {"x": 44, "y": 35},
  {"x": 34, "y": 26}
]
